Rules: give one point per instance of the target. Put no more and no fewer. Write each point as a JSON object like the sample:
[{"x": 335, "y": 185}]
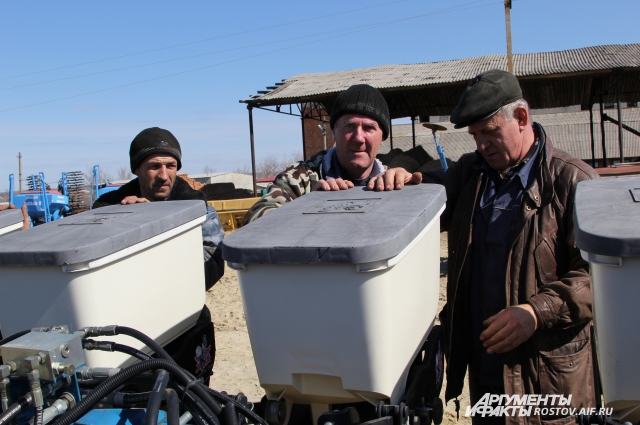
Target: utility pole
[
  {"x": 20, "y": 170},
  {"x": 507, "y": 18}
]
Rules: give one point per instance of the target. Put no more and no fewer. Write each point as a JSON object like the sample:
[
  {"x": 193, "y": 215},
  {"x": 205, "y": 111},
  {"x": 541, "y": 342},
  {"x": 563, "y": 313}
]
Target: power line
[
  {"x": 204, "y": 40},
  {"x": 369, "y": 27},
  {"x": 220, "y": 51},
  {"x": 179, "y": 59}
]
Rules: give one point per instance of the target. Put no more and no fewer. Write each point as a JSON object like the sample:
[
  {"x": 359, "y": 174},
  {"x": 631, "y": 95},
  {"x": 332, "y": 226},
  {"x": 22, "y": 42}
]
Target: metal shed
[{"x": 586, "y": 76}]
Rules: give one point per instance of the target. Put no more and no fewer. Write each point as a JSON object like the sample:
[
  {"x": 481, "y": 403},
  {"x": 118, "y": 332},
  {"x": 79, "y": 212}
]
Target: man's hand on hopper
[
  {"x": 394, "y": 178},
  {"x": 334, "y": 184},
  {"x": 26, "y": 222},
  {"x": 133, "y": 200},
  {"x": 509, "y": 328}
]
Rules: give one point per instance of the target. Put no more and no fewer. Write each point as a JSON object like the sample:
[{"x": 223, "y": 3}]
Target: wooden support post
[{"x": 507, "y": 18}]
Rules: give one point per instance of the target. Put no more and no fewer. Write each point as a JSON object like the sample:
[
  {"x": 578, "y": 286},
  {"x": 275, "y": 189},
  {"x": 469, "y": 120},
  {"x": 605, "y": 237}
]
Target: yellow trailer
[{"x": 232, "y": 211}]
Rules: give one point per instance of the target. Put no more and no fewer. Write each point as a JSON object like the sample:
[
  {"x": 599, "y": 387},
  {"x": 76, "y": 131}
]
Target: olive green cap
[{"x": 484, "y": 96}]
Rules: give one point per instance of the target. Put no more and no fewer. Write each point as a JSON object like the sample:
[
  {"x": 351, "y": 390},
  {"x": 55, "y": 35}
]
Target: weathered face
[
  {"x": 500, "y": 141},
  {"x": 358, "y": 140},
  {"x": 156, "y": 175}
]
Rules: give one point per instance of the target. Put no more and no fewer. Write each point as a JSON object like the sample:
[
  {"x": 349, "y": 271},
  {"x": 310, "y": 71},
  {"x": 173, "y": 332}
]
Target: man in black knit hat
[
  {"x": 155, "y": 157},
  {"x": 360, "y": 122}
]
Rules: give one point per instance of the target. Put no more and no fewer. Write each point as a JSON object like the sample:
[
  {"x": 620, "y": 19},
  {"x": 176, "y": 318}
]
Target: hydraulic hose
[
  {"x": 14, "y": 336},
  {"x": 199, "y": 416},
  {"x": 243, "y": 409},
  {"x": 195, "y": 414},
  {"x": 173, "y": 407},
  {"x": 123, "y": 330},
  {"x": 199, "y": 408},
  {"x": 229, "y": 415},
  {"x": 128, "y": 399},
  {"x": 91, "y": 344},
  {"x": 115, "y": 381},
  {"x": 24, "y": 402},
  {"x": 13, "y": 411},
  {"x": 121, "y": 348},
  {"x": 155, "y": 398},
  {"x": 148, "y": 341}
]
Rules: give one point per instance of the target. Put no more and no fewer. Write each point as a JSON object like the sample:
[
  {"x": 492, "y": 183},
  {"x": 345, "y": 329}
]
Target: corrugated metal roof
[
  {"x": 305, "y": 87},
  {"x": 569, "y": 131}
]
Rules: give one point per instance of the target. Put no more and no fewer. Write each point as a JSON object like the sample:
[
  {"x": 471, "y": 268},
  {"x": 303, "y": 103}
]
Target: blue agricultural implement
[
  {"x": 43, "y": 204},
  {"x": 98, "y": 189}
]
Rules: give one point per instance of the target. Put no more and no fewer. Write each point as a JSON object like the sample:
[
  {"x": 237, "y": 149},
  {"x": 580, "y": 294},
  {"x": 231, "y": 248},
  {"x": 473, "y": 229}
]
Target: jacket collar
[{"x": 541, "y": 191}]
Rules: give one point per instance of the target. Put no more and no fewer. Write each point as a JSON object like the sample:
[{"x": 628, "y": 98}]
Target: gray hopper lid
[
  {"x": 352, "y": 226},
  {"x": 10, "y": 217},
  {"x": 95, "y": 234},
  {"x": 607, "y": 216}
]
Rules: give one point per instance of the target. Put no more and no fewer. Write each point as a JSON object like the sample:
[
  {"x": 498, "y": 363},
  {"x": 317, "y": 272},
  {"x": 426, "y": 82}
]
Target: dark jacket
[
  {"x": 544, "y": 269},
  {"x": 181, "y": 191}
]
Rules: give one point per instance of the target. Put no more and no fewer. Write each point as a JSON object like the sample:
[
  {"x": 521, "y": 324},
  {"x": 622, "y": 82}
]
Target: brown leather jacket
[{"x": 544, "y": 269}]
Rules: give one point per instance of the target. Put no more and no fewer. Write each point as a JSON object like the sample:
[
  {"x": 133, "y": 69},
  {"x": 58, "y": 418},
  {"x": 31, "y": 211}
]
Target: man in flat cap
[
  {"x": 155, "y": 158},
  {"x": 519, "y": 302},
  {"x": 360, "y": 122}
]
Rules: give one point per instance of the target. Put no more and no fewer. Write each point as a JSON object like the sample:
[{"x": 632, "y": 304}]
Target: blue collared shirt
[{"x": 494, "y": 221}]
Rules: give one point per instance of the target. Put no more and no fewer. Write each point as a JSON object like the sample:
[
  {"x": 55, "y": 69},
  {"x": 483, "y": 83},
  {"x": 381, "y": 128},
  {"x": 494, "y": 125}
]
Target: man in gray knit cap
[{"x": 360, "y": 122}]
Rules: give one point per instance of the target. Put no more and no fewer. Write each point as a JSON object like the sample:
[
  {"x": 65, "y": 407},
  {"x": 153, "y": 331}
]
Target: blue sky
[{"x": 79, "y": 79}]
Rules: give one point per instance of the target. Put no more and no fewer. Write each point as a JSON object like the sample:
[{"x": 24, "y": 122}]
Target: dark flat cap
[
  {"x": 152, "y": 141},
  {"x": 484, "y": 96}
]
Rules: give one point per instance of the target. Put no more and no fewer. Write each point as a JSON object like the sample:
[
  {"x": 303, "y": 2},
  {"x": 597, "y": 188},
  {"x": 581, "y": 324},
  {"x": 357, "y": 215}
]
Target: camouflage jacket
[{"x": 296, "y": 180}]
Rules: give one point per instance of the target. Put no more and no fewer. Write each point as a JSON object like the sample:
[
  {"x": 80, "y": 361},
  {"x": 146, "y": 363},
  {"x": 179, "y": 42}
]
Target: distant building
[
  {"x": 240, "y": 180},
  {"x": 569, "y": 131}
]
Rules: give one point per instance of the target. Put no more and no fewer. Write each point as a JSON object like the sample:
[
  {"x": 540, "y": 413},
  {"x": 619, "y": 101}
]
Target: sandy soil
[{"x": 234, "y": 369}]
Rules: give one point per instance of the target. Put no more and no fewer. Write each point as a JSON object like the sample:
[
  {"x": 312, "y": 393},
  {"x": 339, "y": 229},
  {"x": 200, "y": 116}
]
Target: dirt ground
[{"x": 234, "y": 369}]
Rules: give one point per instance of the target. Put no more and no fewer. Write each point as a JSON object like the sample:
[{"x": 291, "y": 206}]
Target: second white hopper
[{"x": 340, "y": 290}]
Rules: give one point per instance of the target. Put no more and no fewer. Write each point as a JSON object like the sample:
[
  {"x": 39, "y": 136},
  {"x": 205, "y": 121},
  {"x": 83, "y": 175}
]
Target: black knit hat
[
  {"x": 364, "y": 100},
  {"x": 484, "y": 96},
  {"x": 152, "y": 141}
]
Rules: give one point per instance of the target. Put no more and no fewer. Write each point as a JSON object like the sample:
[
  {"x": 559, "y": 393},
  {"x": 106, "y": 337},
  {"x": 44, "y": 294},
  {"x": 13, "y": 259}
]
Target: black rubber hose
[
  {"x": 115, "y": 381},
  {"x": 173, "y": 407},
  {"x": 14, "y": 336},
  {"x": 131, "y": 351},
  {"x": 91, "y": 344},
  {"x": 195, "y": 413},
  {"x": 216, "y": 407},
  {"x": 24, "y": 402},
  {"x": 201, "y": 409},
  {"x": 229, "y": 415},
  {"x": 148, "y": 341},
  {"x": 13, "y": 411},
  {"x": 205, "y": 413},
  {"x": 155, "y": 398},
  {"x": 243, "y": 409},
  {"x": 137, "y": 398}
]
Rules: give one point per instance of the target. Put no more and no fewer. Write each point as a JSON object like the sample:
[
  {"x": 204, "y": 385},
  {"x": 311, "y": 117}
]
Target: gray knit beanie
[{"x": 364, "y": 100}]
